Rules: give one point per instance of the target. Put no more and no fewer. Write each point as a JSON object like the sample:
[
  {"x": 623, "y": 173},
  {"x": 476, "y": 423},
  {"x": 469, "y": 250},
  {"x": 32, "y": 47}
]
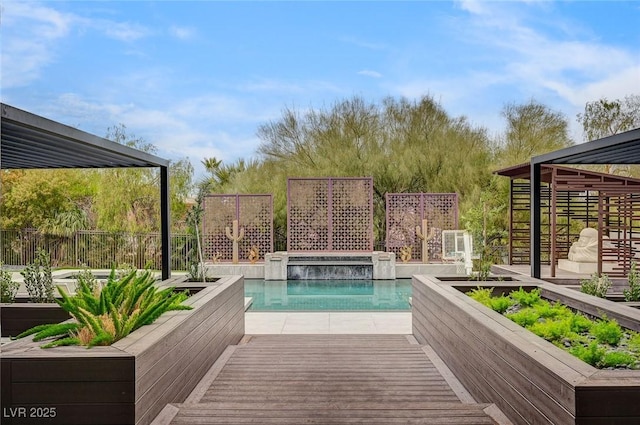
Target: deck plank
[{"x": 329, "y": 379}]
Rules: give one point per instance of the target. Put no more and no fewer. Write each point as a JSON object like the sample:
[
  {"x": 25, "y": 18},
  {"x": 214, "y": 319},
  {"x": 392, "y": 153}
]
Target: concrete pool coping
[{"x": 328, "y": 322}]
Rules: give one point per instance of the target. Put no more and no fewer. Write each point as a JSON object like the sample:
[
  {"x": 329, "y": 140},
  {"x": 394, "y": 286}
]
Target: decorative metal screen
[
  {"x": 405, "y": 212},
  {"x": 255, "y": 219},
  {"x": 330, "y": 214}
]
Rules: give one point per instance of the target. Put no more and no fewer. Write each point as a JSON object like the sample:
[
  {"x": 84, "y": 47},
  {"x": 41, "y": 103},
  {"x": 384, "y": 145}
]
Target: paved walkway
[
  {"x": 329, "y": 379},
  {"x": 328, "y": 323}
]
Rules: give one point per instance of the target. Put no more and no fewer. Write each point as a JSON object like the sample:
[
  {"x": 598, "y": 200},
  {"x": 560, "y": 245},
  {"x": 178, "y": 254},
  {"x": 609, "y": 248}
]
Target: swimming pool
[{"x": 329, "y": 295}]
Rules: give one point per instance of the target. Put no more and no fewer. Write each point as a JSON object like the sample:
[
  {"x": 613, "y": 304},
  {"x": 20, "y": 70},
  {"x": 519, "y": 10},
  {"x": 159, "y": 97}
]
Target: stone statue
[{"x": 585, "y": 249}]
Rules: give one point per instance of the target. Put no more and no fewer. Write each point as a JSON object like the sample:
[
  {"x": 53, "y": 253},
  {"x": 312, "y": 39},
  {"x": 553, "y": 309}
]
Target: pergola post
[
  {"x": 536, "y": 203},
  {"x": 165, "y": 217}
]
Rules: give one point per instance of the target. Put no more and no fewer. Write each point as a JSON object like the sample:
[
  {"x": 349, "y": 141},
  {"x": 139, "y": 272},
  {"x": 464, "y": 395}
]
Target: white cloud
[
  {"x": 30, "y": 33},
  {"x": 369, "y": 73},
  {"x": 271, "y": 85},
  {"x": 182, "y": 33},
  {"x": 123, "y": 31}
]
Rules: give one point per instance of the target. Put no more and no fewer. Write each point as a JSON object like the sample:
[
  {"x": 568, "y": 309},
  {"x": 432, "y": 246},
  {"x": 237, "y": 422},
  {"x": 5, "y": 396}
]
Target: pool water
[{"x": 329, "y": 295}]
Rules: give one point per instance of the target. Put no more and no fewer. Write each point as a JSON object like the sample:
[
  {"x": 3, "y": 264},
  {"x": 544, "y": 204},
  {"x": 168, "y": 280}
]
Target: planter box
[
  {"x": 131, "y": 381},
  {"x": 531, "y": 380},
  {"x": 17, "y": 317}
]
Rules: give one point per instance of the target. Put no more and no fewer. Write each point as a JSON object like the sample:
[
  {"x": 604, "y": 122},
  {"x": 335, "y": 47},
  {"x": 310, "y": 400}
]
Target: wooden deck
[{"x": 329, "y": 379}]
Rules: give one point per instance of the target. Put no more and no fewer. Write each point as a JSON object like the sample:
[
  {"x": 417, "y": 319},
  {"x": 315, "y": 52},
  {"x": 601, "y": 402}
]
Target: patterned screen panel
[
  {"x": 405, "y": 212},
  {"x": 330, "y": 214},
  {"x": 255, "y": 218}
]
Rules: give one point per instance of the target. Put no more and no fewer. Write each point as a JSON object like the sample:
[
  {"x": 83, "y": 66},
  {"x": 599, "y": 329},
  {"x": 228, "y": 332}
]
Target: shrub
[
  {"x": 591, "y": 354},
  {"x": 596, "y": 285},
  {"x": 526, "y": 298},
  {"x": 8, "y": 288},
  {"x": 88, "y": 279},
  {"x": 547, "y": 310},
  {"x": 552, "y": 330},
  {"x": 607, "y": 331},
  {"x": 38, "y": 279},
  {"x": 633, "y": 293},
  {"x": 122, "y": 306},
  {"x": 482, "y": 295},
  {"x": 525, "y": 317},
  {"x": 579, "y": 323},
  {"x": 500, "y": 304},
  {"x": 617, "y": 359},
  {"x": 634, "y": 341}
]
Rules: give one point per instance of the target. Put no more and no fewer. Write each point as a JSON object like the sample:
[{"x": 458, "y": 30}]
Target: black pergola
[
  {"x": 623, "y": 148},
  {"x": 29, "y": 141}
]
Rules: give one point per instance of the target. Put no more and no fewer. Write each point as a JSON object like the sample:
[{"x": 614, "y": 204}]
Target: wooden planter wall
[
  {"x": 18, "y": 317},
  {"x": 132, "y": 380},
  {"x": 531, "y": 380}
]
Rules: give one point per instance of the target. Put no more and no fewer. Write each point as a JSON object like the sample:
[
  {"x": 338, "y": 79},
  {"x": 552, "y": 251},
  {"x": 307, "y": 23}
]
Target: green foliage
[
  {"x": 525, "y": 317},
  {"x": 88, "y": 279},
  {"x": 500, "y": 304},
  {"x": 526, "y": 298},
  {"x": 596, "y": 285},
  {"x": 602, "y": 117},
  {"x": 617, "y": 359},
  {"x": 547, "y": 310},
  {"x": 8, "y": 288},
  {"x": 579, "y": 323},
  {"x": 405, "y": 145},
  {"x": 124, "y": 304},
  {"x": 482, "y": 295},
  {"x": 634, "y": 341},
  {"x": 38, "y": 279},
  {"x": 633, "y": 293},
  {"x": 532, "y": 129},
  {"x": 552, "y": 330},
  {"x": 607, "y": 331},
  {"x": 601, "y": 343},
  {"x": 43, "y": 199},
  {"x": 591, "y": 354}
]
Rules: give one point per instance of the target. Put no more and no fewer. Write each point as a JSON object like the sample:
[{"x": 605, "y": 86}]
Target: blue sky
[{"x": 197, "y": 78}]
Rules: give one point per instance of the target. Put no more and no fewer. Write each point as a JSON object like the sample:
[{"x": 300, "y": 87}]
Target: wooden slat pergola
[{"x": 572, "y": 199}]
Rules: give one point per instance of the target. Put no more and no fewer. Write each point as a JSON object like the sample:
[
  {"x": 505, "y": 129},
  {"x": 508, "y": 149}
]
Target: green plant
[
  {"x": 482, "y": 295},
  {"x": 122, "y": 306},
  {"x": 617, "y": 359},
  {"x": 634, "y": 341},
  {"x": 607, "y": 331},
  {"x": 633, "y": 293},
  {"x": 579, "y": 323},
  {"x": 591, "y": 354},
  {"x": 8, "y": 288},
  {"x": 596, "y": 285},
  {"x": 525, "y": 317},
  {"x": 85, "y": 276},
  {"x": 38, "y": 279},
  {"x": 551, "y": 330},
  {"x": 500, "y": 304},
  {"x": 548, "y": 310},
  {"x": 526, "y": 298}
]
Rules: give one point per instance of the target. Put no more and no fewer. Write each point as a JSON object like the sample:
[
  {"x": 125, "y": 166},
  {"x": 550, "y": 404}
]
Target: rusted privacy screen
[
  {"x": 254, "y": 214},
  {"x": 330, "y": 214},
  {"x": 405, "y": 212}
]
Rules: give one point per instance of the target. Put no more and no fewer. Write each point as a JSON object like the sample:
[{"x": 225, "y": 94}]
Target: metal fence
[{"x": 94, "y": 249}]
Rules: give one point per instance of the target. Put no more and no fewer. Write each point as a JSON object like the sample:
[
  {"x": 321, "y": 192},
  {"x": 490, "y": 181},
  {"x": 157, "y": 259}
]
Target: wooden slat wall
[
  {"x": 167, "y": 371},
  {"x": 131, "y": 381},
  {"x": 18, "y": 317},
  {"x": 529, "y": 379},
  {"x": 482, "y": 357}
]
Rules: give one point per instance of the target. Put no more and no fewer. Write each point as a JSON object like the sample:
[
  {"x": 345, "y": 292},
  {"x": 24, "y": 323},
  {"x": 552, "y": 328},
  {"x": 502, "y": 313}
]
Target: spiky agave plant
[{"x": 104, "y": 317}]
